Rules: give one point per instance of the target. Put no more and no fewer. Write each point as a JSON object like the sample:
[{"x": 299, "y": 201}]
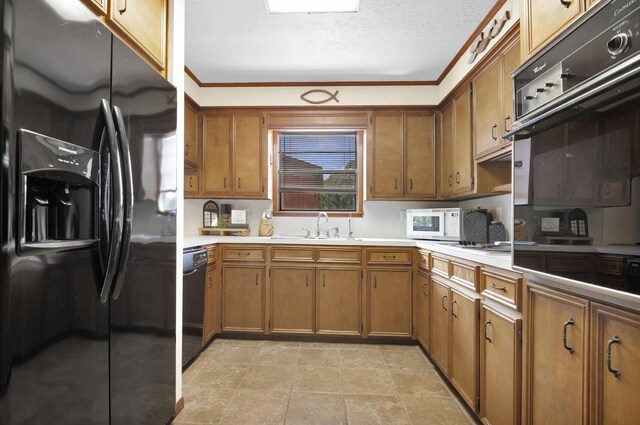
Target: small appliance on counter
[
  {"x": 266, "y": 224},
  {"x": 442, "y": 224},
  {"x": 476, "y": 226}
]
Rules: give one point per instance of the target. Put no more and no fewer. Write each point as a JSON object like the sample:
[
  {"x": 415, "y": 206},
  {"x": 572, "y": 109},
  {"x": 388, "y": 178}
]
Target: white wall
[{"x": 175, "y": 72}]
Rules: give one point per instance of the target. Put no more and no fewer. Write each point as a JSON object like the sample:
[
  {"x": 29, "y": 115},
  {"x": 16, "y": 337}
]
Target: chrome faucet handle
[
  {"x": 337, "y": 232},
  {"x": 307, "y": 234}
]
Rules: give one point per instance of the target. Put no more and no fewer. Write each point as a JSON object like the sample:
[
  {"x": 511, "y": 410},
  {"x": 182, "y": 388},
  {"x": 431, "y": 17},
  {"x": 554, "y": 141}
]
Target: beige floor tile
[
  {"x": 290, "y": 344},
  {"x": 367, "y": 381},
  {"x": 405, "y": 360},
  {"x": 359, "y": 346},
  {"x": 400, "y": 348},
  {"x": 233, "y": 354},
  {"x": 316, "y": 409},
  {"x": 327, "y": 345},
  {"x": 219, "y": 375},
  {"x": 257, "y": 407},
  {"x": 370, "y": 410},
  {"x": 204, "y": 405},
  {"x": 274, "y": 355},
  {"x": 244, "y": 342},
  {"x": 318, "y": 379},
  {"x": 319, "y": 357},
  {"x": 435, "y": 410},
  {"x": 268, "y": 378},
  {"x": 421, "y": 383},
  {"x": 189, "y": 375},
  {"x": 362, "y": 359}
]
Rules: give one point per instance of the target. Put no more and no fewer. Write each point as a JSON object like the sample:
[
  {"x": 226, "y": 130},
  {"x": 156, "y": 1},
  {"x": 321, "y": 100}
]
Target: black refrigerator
[{"x": 87, "y": 206}]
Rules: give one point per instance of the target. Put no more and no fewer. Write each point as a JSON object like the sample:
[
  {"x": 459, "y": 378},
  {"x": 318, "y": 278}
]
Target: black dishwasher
[{"x": 194, "y": 276}]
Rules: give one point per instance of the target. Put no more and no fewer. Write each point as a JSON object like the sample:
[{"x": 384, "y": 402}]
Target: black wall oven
[{"x": 577, "y": 156}]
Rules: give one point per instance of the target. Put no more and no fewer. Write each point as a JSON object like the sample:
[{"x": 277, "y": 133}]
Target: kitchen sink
[
  {"x": 298, "y": 237},
  {"x": 289, "y": 237}
]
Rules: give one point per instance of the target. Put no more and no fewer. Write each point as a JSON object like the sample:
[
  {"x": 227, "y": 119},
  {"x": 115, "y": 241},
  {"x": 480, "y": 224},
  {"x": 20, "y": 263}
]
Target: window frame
[{"x": 360, "y": 134}]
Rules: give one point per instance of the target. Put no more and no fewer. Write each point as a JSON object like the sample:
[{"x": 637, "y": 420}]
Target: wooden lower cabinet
[
  {"x": 292, "y": 296},
  {"x": 500, "y": 365},
  {"x": 440, "y": 323},
  {"x": 463, "y": 366},
  {"x": 243, "y": 298},
  {"x": 615, "y": 366},
  {"x": 338, "y": 301},
  {"x": 423, "y": 288},
  {"x": 556, "y": 358},
  {"x": 211, "y": 306},
  {"x": 389, "y": 302}
]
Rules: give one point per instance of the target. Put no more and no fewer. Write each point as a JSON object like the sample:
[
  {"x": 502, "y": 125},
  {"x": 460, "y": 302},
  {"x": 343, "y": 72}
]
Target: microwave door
[{"x": 431, "y": 225}]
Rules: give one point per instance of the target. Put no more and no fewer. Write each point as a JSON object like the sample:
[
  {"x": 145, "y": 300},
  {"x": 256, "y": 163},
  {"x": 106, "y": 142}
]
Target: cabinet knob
[
  {"x": 566, "y": 324},
  {"x": 614, "y": 340}
]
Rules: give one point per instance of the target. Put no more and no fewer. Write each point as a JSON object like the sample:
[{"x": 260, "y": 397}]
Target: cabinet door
[
  {"x": 615, "y": 362},
  {"x": 545, "y": 18},
  {"x": 389, "y": 302},
  {"x": 338, "y": 301},
  {"x": 190, "y": 136},
  {"x": 487, "y": 108},
  {"x": 99, "y": 5},
  {"x": 209, "y": 325},
  {"x": 510, "y": 61},
  {"x": 144, "y": 23},
  {"x": 292, "y": 290},
  {"x": 446, "y": 151},
  {"x": 191, "y": 184},
  {"x": 440, "y": 323},
  {"x": 386, "y": 171},
  {"x": 500, "y": 367},
  {"x": 420, "y": 156},
  {"x": 216, "y": 147},
  {"x": 549, "y": 166},
  {"x": 423, "y": 288},
  {"x": 463, "y": 153},
  {"x": 556, "y": 353},
  {"x": 463, "y": 369},
  {"x": 582, "y": 174},
  {"x": 243, "y": 299},
  {"x": 248, "y": 164}
]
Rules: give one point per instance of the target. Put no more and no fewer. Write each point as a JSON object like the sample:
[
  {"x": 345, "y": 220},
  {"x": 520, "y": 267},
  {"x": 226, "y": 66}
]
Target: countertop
[
  {"x": 495, "y": 259},
  {"x": 597, "y": 249}
]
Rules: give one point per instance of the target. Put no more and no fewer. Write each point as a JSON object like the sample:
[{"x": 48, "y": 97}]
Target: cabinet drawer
[
  {"x": 465, "y": 274},
  {"x": 211, "y": 254},
  {"x": 569, "y": 263},
  {"x": 611, "y": 265},
  {"x": 243, "y": 254},
  {"x": 389, "y": 257},
  {"x": 500, "y": 287},
  {"x": 423, "y": 260},
  {"x": 339, "y": 255},
  {"x": 292, "y": 253},
  {"x": 440, "y": 265}
]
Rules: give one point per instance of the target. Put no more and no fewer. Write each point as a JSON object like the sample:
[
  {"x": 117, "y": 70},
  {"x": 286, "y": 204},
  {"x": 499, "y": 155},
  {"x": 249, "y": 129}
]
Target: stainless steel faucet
[
  {"x": 321, "y": 213},
  {"x": 350, "y": 230}
]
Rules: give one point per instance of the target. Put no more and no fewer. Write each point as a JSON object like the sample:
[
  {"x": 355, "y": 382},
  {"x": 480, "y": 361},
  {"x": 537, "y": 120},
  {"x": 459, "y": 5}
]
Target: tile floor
[{"x": 281, "y": 382}]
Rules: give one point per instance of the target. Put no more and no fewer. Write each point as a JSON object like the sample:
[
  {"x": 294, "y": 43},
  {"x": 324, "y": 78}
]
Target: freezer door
[
  {"x": 143, "y": 306},
  {"x": 54, "y": 331}
]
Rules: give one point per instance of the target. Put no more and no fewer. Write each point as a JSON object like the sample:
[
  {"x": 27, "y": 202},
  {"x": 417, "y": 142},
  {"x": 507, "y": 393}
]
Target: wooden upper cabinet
[
  {"x": 543, "y": 19},
  {"x": 510, "y": 61},
  {"x": 248, "y": 155},
  {"x": 615, "y": 366},
  {"x": 216, "y": 155},
  {"x": 143, "y": 22},
  {"x": 191, "y": 129},
  {"x": 420, "y": 155},
  {"x": 446, "y": 151},
  {"x": 191, "y": 184},
  {"x": 487, "y": 108},
  {"x": 292, "y": 296},
  {"x": 463, "y": 152},
  {"x": 338, "y": 301},
  {"x": 386, "y": 152},
  {"x": 389, "y": 302},
  {"x": 556, "y": 358}
]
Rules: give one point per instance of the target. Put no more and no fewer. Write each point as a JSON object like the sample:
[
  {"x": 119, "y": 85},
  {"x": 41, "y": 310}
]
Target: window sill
[{"x": 355, "y": 214}]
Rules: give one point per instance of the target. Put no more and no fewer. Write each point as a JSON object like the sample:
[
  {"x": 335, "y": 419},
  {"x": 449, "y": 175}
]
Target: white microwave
[{"x": 444, "y": 224}]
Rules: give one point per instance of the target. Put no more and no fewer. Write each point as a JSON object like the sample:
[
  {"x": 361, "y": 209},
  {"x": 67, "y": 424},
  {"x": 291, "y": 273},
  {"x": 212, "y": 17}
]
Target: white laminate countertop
[
  {"x": 495, "y": 259},
  {"x": 598, "y": 249}
]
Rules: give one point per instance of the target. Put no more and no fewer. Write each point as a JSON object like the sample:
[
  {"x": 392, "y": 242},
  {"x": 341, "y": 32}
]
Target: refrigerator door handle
[
  {"x": 118, "y": 203},
  {"x": 128, "y": 199}
]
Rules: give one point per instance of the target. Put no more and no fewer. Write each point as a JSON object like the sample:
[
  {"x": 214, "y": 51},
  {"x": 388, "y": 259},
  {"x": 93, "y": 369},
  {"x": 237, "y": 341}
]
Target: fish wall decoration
[{"x": 318, "y": 96}]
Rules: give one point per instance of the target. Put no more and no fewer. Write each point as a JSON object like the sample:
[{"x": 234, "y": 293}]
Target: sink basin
[{"x": 325, "y": 239}]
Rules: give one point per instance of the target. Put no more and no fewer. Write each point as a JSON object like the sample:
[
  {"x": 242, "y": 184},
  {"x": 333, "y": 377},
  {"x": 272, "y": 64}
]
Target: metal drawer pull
[
  {"x": 494, "y": 127},
  {"x": 375, "y": 282},
  {"x": 244, "y": 254},
  {"x": 506, "y": 120},
  {"x": 307, "y": 278},
  {"x": 453, "y": 312},
  {"x": 425, "y": 290},
  {"x": 614, "y": 340},
  {"x": 239, "y": 179},
  {"x": 443, "y": 300},
  {"x": 565, "y": 3},
  {"x": 450, "y": 179},
  {"x": 488, "y": 322},
  {"x": 395, "y": 184},
  {"x": 256, "y": 279},
  {"x": 224, "y": 182},
  {"x": 564, "y": 335},
  {"x": 122, "y": 7},
  {"x": 458, "y": 177},
  {"x": 389, "y": 257},
  {"x": 499, "y": 288},
  {"x": 410, "y": 184},
  {"x": 324, "y": 283}
]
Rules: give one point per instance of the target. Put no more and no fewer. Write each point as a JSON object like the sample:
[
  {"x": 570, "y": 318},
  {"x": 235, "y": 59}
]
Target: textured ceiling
[{"x": 234, "y": 41}]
